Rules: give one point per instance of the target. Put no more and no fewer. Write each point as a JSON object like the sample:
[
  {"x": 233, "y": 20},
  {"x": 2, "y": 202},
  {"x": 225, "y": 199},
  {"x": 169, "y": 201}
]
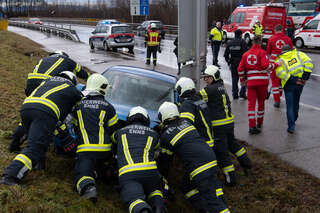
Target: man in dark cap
[
  {"x": 294, "y": 70},
  {"x": 233, "y": 54}
]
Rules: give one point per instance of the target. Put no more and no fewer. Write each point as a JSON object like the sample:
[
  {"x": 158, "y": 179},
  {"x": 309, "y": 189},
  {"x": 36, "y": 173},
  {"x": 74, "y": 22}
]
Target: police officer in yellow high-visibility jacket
[
  {"x": 216, "y": 40},
  {"x": 257, "y": 29},
  {"x": 152, "y": 40},
  {"x": 295, "y": 70}
]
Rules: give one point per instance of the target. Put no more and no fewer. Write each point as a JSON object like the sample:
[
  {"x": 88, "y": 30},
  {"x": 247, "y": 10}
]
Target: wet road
[{"x": 311, "y": 94}]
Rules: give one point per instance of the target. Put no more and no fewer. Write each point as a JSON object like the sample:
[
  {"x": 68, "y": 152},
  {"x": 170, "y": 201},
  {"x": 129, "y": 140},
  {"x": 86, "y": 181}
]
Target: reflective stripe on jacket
[
  {"x": 295, "y": 63},
  {"x": 257, "y": 29},
  {"x": 153, "y": 38}
]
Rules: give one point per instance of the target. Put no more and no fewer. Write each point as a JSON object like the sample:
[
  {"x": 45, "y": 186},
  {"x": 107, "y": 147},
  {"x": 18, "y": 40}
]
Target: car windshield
[
  {"x": 121, "y": 29},
  {"x": 302, "y": 8},
  {"x": 137, "y": 90}
]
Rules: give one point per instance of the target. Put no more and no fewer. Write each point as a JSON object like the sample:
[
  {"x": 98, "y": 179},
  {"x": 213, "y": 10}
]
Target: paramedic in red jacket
[
  {"x": 253, "y": 71},
  {"x": 275, "y": 43}
]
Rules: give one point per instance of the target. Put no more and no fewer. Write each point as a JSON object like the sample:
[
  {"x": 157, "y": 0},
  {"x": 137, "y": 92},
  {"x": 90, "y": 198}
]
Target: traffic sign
[{"x": 139, "y": 7}]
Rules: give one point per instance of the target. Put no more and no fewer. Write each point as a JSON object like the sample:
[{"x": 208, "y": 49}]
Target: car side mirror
[{"x": 94, "y": 32}]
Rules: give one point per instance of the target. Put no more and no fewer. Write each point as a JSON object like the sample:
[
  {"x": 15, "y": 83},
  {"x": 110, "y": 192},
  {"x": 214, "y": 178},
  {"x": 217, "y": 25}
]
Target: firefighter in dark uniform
[
  {"x": 50, "y": 102},
  {"x": 178, "y": 136},
  {"x": 96, "y": 121},
  {"x": 139, "y": 178},
  {"x": 233, "y": 54},
  {"x": 196, "y": 111},
  {"x": 222, "y": 121},
  {"x": 52, "y": 65},
  {"x": 152, "y": 40}
]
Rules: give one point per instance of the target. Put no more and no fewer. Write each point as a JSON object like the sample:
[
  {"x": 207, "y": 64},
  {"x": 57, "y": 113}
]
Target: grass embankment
[{"x": 273, "y": 186}]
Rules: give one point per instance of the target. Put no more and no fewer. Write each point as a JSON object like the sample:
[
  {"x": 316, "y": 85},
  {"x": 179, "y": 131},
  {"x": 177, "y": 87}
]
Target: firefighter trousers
[
  {"x": 204, "y": 192},
  {"x": 17, "y": 138},
  {"x": 215, "y": 46},
  {"x": 235, "y": 81},
  {"x": 221, "y": 149},
  {"x": 39, "y": 127},
  {"x": 88, "y": 168},
  {"x": 276, "y": 90},
  {"x": 153, "y": 50},
  {"x": 141, "y": 188},
  {"x": 256, "y": 94}
]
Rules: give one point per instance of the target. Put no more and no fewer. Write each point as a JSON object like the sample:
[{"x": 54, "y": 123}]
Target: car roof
[
  {"x": 119, "y": 25},
  {"x": 144, "y": 72}
]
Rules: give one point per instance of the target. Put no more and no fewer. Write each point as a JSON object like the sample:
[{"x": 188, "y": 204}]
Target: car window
[
  {"x": 98, "y": 29},
  {"x": 312, "y": 25},
  {"x": 158, "y": 24},
  {"x": 240, "y": 17},
  {"x": 121, "y": 29},
  {"x": 103, "y": 29},
  {"x": 136, "y": 90}
]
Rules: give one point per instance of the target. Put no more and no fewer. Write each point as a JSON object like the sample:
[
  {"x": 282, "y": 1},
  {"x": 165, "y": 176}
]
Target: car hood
[{"x": 123, "y": 110}]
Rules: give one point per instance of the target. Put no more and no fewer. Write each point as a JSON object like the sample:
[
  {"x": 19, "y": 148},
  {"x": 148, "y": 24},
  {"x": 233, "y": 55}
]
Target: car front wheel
[{"x": 299, "y": 43}]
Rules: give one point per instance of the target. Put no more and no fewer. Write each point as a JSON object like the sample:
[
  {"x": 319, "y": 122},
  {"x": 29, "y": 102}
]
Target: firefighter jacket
[
  {"x": 135, "y": 150},
  {"x": 96, "y": 122},
  {"x": 181, "y": 137},
  {"x": 257, "y": 29},
  {"x": 152, "y": 38},
  {"x": 275, "y": 44},
  {"x": 254, "y": 66},
  {"x": 219, "y": 104},
  {"x": 234, "y": 51},
  {"x": 52, "y": 66},
  {"x": 216, "y": 34},
  {"x": 55, "y": 96},
  {"x": 196, "y": 111},
  {"x": 295, "y": 64}
]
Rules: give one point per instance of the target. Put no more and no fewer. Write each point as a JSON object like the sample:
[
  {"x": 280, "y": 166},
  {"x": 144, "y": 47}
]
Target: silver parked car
[{"x": 112, "y": 36}]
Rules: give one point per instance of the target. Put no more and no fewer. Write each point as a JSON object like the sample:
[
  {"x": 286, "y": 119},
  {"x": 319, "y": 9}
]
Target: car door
[{"x": 310, "y": 34}]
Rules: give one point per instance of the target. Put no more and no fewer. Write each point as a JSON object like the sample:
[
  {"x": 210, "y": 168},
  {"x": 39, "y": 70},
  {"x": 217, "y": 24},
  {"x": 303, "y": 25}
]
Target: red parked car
[{"x": 34, "y": 21}]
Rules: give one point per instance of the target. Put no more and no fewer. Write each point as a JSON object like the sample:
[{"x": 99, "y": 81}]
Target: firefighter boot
[
  {"x": 8, "y": 180},
  {"x": 90, "y": 192},
  {"x": 246, "y": 163},
  {"x": 148, "y": 62},
  {"x": 230, "y": 178}
]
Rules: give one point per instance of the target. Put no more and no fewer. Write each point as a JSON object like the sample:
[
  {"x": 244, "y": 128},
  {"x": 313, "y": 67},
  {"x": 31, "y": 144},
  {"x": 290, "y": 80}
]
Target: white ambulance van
[{"x": 309, "y": 34}]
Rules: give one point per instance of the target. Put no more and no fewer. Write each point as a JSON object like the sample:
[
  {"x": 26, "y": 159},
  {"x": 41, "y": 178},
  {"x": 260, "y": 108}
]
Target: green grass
[{"x": 273, "y": 185}]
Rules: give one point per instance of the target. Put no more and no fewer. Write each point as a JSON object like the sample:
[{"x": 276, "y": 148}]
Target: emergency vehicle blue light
[{"x": 242, "y": 5}]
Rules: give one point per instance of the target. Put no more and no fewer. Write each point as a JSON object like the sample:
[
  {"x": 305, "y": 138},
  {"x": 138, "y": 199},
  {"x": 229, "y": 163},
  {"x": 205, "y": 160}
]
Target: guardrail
[
  {"x": 57, "y": 31},
  {"x": 170, "y": 29}
]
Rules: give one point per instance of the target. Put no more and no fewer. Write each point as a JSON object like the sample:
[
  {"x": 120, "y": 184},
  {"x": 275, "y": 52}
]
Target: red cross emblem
[
  {"x": 280, "y": 44},
  {"x": 252, "y": 59}
]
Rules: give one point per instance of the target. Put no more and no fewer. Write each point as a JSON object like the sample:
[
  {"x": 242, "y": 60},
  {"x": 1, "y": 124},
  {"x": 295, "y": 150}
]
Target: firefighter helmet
[
  {"x": 167, "y": 110},
  {"x": 153, "y": 26},
  {"x": 138, "y": 113},
  {"x": 98, "y": 83},
  {"x": 59, "y": 52},
  {"x": 69, "y": 75},
  {"x": 213, "y": 71},
  {"x": 184, "y": 84}
]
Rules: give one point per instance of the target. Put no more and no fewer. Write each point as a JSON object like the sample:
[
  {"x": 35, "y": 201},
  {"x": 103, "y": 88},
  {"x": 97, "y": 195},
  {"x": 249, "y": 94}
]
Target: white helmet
[
  {"x": 153, "y": 25},
  {"x": 184, "y": 84},
  {"x": 167, "y": 110},
  {"x": 59, "y": 52},
  {"x": 213, "y": 71},
  {"x": 138, "y": 113},
  {"x": 98, "y": 83},
  {"x": 69, "y": 75}
]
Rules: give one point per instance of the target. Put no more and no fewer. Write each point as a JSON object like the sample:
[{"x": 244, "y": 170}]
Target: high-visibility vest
[
  {"x": 217, "y": 34},
  {"x": 295, "y": 63},
  {"x": 153, "y": 38},
  {"x": 257, "y": 30}
]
